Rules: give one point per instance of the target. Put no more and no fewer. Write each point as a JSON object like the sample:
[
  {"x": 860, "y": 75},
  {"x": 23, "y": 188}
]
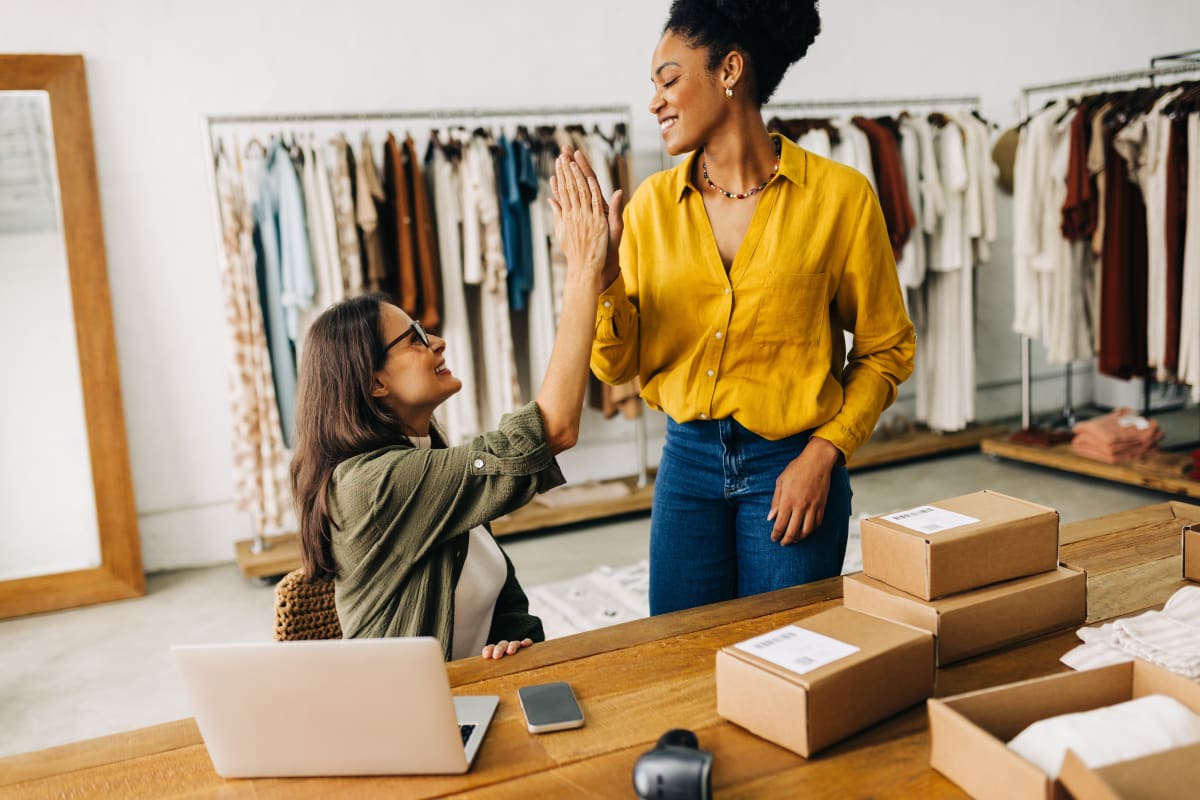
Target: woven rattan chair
[{"x": 304, "y": 609}]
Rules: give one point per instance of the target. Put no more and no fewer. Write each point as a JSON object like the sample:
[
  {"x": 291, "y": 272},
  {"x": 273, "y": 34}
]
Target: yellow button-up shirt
[{"x": 763, "y": 342}]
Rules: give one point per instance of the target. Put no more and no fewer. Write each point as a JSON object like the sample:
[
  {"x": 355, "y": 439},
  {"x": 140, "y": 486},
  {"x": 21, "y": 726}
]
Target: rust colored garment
[
  {"x": 1177, "y": 189},
  {"x": 889, "y": 177},
  {"x": 1080, "y": 210},
  {"x": 428, "y": 265},
  {"x": 397, "y": 227},
  {"x": 1123, "y": 289}
]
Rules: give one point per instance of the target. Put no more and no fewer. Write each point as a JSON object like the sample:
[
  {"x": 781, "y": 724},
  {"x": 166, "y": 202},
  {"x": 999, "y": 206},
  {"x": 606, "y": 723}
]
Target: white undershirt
[{"x": 478, "y": 588}]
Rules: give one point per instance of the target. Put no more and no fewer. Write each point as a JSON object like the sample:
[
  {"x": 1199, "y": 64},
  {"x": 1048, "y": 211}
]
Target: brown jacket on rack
[
  {"x": 398, "y": 228},
  {"x": 428, "y": 266}
]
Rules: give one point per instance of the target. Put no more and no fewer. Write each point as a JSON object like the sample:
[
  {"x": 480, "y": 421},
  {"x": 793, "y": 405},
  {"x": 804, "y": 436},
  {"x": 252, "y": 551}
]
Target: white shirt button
[
  {"x": 711, "y": 373},
  {"x": 608, "y": 303},
  {"x": 479, "y": 463},
  {"x": 718, "y": 334},
  {"x": 704, "y": 416},
  {"x": 727, "y": 290}
]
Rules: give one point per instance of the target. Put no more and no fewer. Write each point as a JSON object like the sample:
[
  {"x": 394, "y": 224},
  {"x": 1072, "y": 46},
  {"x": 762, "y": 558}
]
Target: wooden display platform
[
  {"x": 281, "y": 556},
  {"x": 1062, "y": 458},
  {"x": 920, "y": 444}
]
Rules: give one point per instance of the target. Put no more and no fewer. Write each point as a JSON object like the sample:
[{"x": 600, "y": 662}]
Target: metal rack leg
[
  {"x": 640, "y": 430},
  {"x": 1026, "y": 389}
]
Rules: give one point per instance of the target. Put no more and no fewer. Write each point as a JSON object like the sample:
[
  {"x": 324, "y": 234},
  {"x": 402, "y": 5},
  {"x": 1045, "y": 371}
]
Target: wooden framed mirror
[{"x": 68, "y": 523}]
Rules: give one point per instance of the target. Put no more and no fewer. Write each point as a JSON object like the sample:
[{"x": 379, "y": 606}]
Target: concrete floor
[{"x": 83, "y": 673}]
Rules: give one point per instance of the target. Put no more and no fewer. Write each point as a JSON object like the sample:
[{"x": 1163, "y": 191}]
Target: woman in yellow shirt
[{"x": 738, "y": 272}]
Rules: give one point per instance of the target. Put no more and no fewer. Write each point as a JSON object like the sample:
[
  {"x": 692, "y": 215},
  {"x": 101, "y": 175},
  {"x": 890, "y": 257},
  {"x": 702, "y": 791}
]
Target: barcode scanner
[{"x": 676, "y": 769}]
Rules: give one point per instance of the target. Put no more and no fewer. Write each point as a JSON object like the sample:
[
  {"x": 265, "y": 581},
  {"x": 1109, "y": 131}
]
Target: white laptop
[{"x": 331, "y": 707}]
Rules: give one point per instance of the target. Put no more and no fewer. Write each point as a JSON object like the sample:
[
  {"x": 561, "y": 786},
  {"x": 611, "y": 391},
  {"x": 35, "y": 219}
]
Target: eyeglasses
[{"x": 413, "y": 330}]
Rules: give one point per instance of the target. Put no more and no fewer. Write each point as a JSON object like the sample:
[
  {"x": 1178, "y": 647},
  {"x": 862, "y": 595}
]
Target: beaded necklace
[{"x": 742, "y": 195}]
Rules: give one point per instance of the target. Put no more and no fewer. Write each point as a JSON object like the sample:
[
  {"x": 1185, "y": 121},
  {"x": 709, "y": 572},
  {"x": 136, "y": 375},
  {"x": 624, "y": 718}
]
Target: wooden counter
[{"x": 635, "y": 681}]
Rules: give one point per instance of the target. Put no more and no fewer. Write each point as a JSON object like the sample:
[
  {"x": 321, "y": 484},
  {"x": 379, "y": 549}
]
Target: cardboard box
[
  {"x": 1191, "y": 552},
  {"x": 960, "y": 544},
  {"x": 891, "y": 670},
  {"x": 969, "y": 733},
  {"x": 1162, "y": 776},
  {"x": 975, "y": 622}
]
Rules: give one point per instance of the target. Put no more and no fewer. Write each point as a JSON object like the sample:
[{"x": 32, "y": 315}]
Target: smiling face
[
  {"x": 689, "y": 99},
  {"x": 413, "y": 379}
]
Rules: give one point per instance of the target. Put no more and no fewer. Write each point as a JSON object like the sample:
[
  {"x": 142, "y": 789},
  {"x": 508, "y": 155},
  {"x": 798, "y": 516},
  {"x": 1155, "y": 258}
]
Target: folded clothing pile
[
  {"x": 1169, "y": 638},
  {"x": 1110, "y": 734},
  {"x": 1116, "y": 437}
]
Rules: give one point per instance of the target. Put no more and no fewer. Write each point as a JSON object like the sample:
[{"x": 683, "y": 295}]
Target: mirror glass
[{"x": 47, "y": 500}]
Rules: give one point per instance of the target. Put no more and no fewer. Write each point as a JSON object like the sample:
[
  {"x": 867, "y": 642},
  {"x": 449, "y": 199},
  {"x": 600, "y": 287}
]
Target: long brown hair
[{"x": 336, "y": 417}]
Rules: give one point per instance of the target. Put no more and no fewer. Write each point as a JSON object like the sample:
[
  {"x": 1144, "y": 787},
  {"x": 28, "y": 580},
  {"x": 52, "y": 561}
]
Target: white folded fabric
[
  {"x": 1169, "y": 638},
  {"x": 1184, "y": 605},
  {"x": 1094, "y": 655},
  {"x": 1110, "y": 734},
  {"x": 1161, "y": 640}
]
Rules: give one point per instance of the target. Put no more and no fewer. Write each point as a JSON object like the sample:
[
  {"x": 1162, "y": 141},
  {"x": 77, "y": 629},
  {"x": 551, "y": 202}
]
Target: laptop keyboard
[{"x": 466, "y": 731}]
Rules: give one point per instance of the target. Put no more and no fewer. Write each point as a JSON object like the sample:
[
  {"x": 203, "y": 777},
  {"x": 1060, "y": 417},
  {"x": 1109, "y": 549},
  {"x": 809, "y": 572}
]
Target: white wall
[{"x": 154, "y": 67}]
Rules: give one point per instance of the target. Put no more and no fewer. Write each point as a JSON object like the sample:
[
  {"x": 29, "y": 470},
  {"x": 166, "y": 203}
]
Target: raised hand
[{"x": 580, "y": 222}]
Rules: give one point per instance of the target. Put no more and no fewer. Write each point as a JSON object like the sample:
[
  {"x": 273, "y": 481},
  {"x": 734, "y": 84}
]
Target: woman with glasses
[
  {"x": 389, "y": 513},
  {"x": 738, "y": 272}
]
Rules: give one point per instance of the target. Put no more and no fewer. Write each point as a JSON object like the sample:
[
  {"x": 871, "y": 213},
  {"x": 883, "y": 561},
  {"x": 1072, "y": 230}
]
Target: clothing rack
[
  {"x": 873, "y": 102},
  {"x": 1193, "y": 65},
  {"x": 214, "y": 125}
]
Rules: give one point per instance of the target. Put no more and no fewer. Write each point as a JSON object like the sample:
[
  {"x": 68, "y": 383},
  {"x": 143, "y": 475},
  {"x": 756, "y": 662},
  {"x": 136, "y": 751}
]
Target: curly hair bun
[{"x": 774, "y": 34}]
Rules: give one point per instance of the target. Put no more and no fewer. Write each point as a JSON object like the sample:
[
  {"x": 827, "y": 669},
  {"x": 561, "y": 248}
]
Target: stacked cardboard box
[{"x": 979, "y": 572}]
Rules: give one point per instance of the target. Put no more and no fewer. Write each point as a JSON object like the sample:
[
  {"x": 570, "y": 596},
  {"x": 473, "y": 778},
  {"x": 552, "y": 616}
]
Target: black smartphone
[{"x": 550, "y": 707}]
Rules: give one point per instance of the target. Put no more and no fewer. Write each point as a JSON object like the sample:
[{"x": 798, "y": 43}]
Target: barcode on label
[
  {"x": 916, "y": 512},
  {"x": 776, "y": 638}
]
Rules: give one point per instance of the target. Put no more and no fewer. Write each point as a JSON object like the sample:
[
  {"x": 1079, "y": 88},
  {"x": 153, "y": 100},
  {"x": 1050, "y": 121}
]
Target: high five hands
[{"x": 574, "y": 190}]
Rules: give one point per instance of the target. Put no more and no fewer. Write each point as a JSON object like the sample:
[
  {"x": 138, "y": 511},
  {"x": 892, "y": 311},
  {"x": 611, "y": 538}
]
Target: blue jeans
[{"x": 710, "y": 539}]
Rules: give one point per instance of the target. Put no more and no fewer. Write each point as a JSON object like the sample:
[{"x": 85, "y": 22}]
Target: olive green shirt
[{"x": 401, "y": 515}]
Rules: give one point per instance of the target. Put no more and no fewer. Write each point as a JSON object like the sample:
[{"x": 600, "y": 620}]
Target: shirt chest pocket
[{"x": 793, "y": 309}]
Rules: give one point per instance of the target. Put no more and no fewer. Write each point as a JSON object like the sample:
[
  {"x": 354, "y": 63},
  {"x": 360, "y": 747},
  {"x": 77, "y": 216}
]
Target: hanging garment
[
  {"x": 1064, "y": 267},
  {"x": 459, "y": 415},
  {"x": 1080, "y": 208},
  {"x": 946, "y": 391},
  {"x": 854, "y": 150},
  {"x": 883, "y": 140},
  {"x": 817, "y": 142},
  {"x": 425, "y": 240},
  {"x": 1123, "y": 286},
  {"x": 369, "y": 200},
  {"x": 259, "y": 459},
  {"x": 1189, "y": 314},
  {"x": 983, "y": 178},
  {"x": 542, "y": 320},
  {"x": 343, "y": 207},
  {"x": 322, "y": 236},
  {"x": 911, "y": 263},
  {"x": 518, "y": 187},
  {"x": 396, "y": 230},
  {"x": 483, "y": 264},
  {"x": 271, "y": 179},
  {"x": 1143, "y": 144},
  {"x": 1176, "y": 236},
  {"x": 1031, "y": 284}
]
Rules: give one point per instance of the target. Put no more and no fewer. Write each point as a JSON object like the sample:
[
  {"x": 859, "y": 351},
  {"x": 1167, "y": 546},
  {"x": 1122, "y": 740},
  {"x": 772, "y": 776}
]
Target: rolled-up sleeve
[{"x": 870, "y": 304}]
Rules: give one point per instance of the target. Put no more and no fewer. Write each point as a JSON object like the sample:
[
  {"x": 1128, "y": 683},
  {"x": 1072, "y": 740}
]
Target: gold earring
[{"x": 729, "y": 91}]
